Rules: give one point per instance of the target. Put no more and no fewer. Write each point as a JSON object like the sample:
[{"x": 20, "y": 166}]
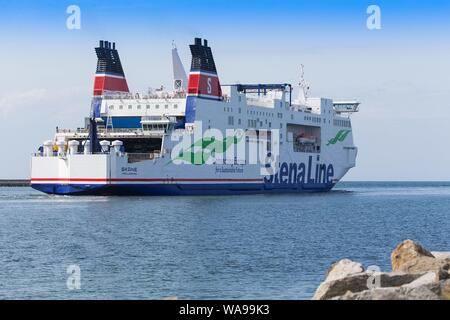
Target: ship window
[
  {"x": 166, "y": 106},
  {"x": 129, "y": 107},
  {"x": 139, "y": 106},
  {"x": 157, "y": 106},
  {"x": 148, "y": 106},
  {"x": 120, "y": 107},
  {"x": 175, "y": 106},
  {"x": 111, "y": 107}
]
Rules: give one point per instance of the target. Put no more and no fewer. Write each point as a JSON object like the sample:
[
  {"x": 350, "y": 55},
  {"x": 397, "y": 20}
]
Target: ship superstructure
[{"x": 199, "y": 138}]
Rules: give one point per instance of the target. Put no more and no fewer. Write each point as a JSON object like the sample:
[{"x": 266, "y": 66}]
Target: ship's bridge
[
  {"x": 349, "y": 106},
  {"x": 259, "y": 95}
]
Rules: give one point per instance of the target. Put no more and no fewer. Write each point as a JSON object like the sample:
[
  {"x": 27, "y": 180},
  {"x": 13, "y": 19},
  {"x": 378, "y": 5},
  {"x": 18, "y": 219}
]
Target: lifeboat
[{"x": 306, "y": 139}]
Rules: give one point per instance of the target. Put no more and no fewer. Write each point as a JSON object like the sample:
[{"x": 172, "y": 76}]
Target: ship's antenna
[{"x": 304, "y": 86}]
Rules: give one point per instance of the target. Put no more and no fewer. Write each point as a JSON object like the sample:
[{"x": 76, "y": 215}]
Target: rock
[
  {"x": 398, "y": 293},
  {"x": 339, "y": 271},
  {"x": 397, "y": 279},
  {"x": 338, "y": 287},
  {"x": 374, "y": 294},
  {"x": 342, "y": 269},
  {"x": 427, "y": 264},
  {"x": 441, "y": 255},
  {"x": 411, "y": 257},
  {"x": 422, "y": 293},
  {"x": 406, "y": 252},
  {"x": 362, "y": 281},
  {"x": 445, "y": 289},
  {"x": 429, "y": 278},
  {"x": 417, "y": 275}
]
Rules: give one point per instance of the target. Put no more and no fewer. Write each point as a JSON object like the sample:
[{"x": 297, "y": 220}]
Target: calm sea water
[{"x": 239, "y": 247}]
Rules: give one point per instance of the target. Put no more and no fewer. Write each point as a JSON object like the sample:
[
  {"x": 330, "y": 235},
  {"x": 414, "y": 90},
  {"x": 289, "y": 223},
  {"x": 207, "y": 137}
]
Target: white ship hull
[{"x": 110, "y": 174}]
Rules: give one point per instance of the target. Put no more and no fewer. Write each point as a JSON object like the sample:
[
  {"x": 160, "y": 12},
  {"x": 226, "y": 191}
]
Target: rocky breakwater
[{"x": 417, "y": 274}]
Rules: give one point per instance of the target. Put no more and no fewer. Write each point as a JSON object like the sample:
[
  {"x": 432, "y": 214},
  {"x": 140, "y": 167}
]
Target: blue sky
[{"x": 400, "y": 73}]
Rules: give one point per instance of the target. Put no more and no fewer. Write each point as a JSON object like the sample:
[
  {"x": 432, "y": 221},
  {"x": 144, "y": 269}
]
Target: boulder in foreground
[{"x": 417, "y": 274}]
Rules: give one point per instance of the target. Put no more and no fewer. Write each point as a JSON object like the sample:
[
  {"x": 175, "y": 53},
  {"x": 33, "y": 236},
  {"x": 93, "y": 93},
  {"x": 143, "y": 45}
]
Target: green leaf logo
[
  {"x": 340, "y": 136},
  {"x": 199, "y": 152}
]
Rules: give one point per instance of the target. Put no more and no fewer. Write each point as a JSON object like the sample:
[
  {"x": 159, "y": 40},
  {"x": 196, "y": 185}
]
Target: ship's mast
[
  {"x": 179, "y": 74},
  {"x": 304, "y": 86}
]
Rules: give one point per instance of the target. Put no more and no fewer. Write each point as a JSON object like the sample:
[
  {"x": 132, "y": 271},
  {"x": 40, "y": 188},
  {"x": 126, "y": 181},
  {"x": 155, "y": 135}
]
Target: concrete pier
[{"x": 14, "y": 183}]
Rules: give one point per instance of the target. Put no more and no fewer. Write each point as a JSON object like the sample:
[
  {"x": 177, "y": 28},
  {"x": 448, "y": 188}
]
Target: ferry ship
[{"x": 199, "y": 138}]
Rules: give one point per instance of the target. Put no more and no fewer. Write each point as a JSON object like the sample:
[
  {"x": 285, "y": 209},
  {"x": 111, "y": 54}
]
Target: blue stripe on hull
[{"x": 177, "y": 189}]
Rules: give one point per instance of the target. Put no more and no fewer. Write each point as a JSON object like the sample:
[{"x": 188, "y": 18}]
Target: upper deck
[{"x": 166, "y": 104}]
